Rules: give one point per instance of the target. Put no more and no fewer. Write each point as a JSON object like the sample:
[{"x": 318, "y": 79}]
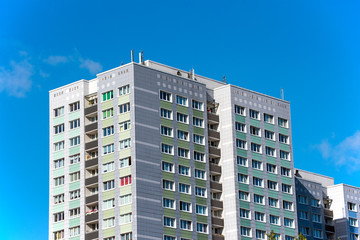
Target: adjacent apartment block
[{"x": 148, "y": 151}]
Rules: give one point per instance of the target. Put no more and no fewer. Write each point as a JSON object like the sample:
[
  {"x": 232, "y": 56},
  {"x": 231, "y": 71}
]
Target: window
[
  {"x": 108, "y": 222},
  {"x": 242, "y": 178},
  {"x": 108, "y": 167},
  {"x": 201, "y": 227},
  {"x": 74, "y": 159},
  {"x": 124, "y": 108},
  {"x": 108, "y": 149},
  {"x": 304, "y": 215},
  {"x": 256, "y": 165},
  {"x": 289, "y": 222},
  {"x": 59, "y": 217},
  {"x": 317, "y": 233},
  {"x": 75, "y": 141},
  {"x": 183, "y": 118},
  {"x": 126, "y": 143},
  {"x": 59, "y": 235},
  {"x": 185, "y": 225},
  {"x": 260, "y": 234},
  {"x": 289, "y": 237},
  {"x": 123, "y": 126},
  {"x": 183, "y": 170},
  {"x": 108, "y": 131},
  {"x": 200, "y": 192},
  {"x": 59, "y": 111},
  {"x": 168, "y": 203},
  {"x": 242, "y": 161},
  {"x": 270, "y": 151},
  {"x": 258, "y": 182},
  {"x": 286, "y": 188},
  {"x": 254, "y": 114},
  {"x": 59, "y": 199},
  {"x": 241, "y": 144},
  {"x": 272, "y": 185},
  {"x": 107, "y": 96},
  {"x": 182, "y": 135},
  {"x": 316, "y": 218},
  {"x": 169, "y": 222},
  {"x": 351, "y": 206},
  {"x": 183, "y": 153},
  {"x": 282, "y": 122},
  {"x": 124, "y": 90},
  {"x": 74, "y": 106},
  {"x": 165, "y": 96},
  {"x": 59, "y": 146},
  {"x": 198, "y": 139},
  {"x": 124, "y": 181},
  {"x": 126, "y": 236},
  {"x": 271, "y": 168},
  {"x": 244, "y": 213},
  {"x": 255, "y": 147},
  {"x": 287, "y": 205},
  {"x": 273, "y": 202},
  {"x": 284, "y": 155},
  {"x": 166, "y": 149},
  {"x": 240, "y": 127},
  {"x": 74, "y": 231},
  {"x": 197, "y": 105},
  {"x": 302, "y": 199},
  {"x": 59, "y": 129},
  {"x": 244, "y": 196},
  {"x": 109, "y": 185},
  {"x": 59, "y": 163},
  {"x": 200, "y": 174},
  {"x": 315, "y": 202},
  {"x": 245, "y": 231},
  {"x": 353, "y": 222},
  {"x": 110, "y": 203},
  {"x": 125, "y": 162},
  {"x": 254, "y": 131},
  {"x": 74, "y": 123},
  {"x": 167, "y": 167},
  {"x": 168, "y": 185},
  {"x": 269, "y": 135},
  {"x": 354, "y": 236},
  {"x": 126, "y": 199},
  {"x": 185, "y": 206},
  {"x": 59, "y": 181},
  {"x": 201, "y": 210},
  {"x": 268, "y": 118},
  {"x": 198, "y": 122},
  {"x": 125, "y": 218},
  {"x": 304, "y": 230},
  {"x": 285, "y": 172},
  {"x": 239, "y": 110},
  {"x": 184, "y": 188},
  {"x": 74, "y": 176},
  {"x": 283, "y": 139},
  {"x": 166, "y": 131},
  {"x": 75, "y": 194},
  {"x": 108, "y": 113},
  {"x": 181, "y": 100},
  {"x": 258, "y": 199},
  {"x": 165, "y": 113},
  {"x": 274, "y": 220},
  {"x": 169, "y": 237},
  {"x": 109, "y": 238},
  {"x": 199, "y": 156}
]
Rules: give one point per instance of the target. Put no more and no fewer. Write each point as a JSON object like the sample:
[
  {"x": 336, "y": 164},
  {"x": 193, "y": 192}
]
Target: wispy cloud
[
  {"x": 16, "y": 80},
  {"x": 346, "y": 153},
  {"x": 55, "y": 60},
  {"x": 90, "y": 65}
]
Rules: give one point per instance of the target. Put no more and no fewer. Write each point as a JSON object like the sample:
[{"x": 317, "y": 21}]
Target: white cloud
[
  {"x": 55, "y": 60},
  {"x": 90, "y": 65},
  {"x": 346, "y": 153},
  {"x": 16, "y": 80}
]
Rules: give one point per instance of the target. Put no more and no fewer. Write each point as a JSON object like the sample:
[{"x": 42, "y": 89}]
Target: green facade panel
[
  {"x": 167, "y": 140},
  {"x": 168, "y": 158},
  {"x": 58, "y": 137},
  {"x": 183, "y": 127},
  {"x": 74, "y": 133},
  {"x": 202, "y": 219},
  {"x": 108, "y": 213},
  {"x": 58, "y": 172},
  {"x": 58, "y": 226},
  {"x": 124, "y": 153},
  {"x": 285, "y": 163},
  {"x": 183, "y": 162},
  {"x": 245, "y": 205},
  {"x": 108, "y": 194},
  {"x": 290, "y": 231},
  {"x": 125, "y": 190},
  {"x": 58, "y": 190},
  {"x": 284, "y": 131},
  {"x": 74, "y": 115},
  {"x": 255, "y": 139},
  {"x": 108, "y": 176},
  {"x": 168, "y": 194},
  {"x": 74, "y": 168},
  {"x": 169, "y": 231},
  {"x": 58, "y": 208},
  {"x": 275, "y": 228},
  {"x": 197, "y": 113},
  {"x": 124, "y": 99},
  {"x": 259, "y": 208},
  {"x": 124, "y": 135},
  {"x": 286, "y": 180},
  {"x": 107, "y": 140},
  {"x": 257, "y": 173},
  {"x": 199, "y": 131},
  {"x": 202, "y": 201},
  {"x": 271, "y": 176},
  {"x": 239, "y": 118},
  {"x": 271, "y": 160},
  {"x": 274, "y": 211},
  {"x": 74, "y": 204},
  {"x": 270, "y": 143},
  {"x": 109, "y": 232},
  {"x": 167, "y": 105},
  {"x": 168, "y": 176},
  {"x": 74, "y": 185},
  {"x": 183, "y": 144},
  {"x": 255, "y": 123},
  {"x": 241, "y": 135},
  {"x": 184, "y": 179},
  {"x": 58, "y": 120},
  {"x": 185, "y": 197},
  {"x": 284, "y": 147},
  {"x": 125, "y": 228},
  {"x": 58, "y": 155},
  {"x": 200, "y": 183},
  {"x": 258, "y": 190},
  {"x": 74, "y": 150},
  {"x": 169, "y": 212},
  {"x": 126, "y": 209},
  {"x": 200, "y": 165},
  {"x": 74, "y": 222},
  {"x": 201, "y": 236},
  {"x": 166, "y": 122},
  {"x": 125, "y": 171},
  {"x": 243, "y": 187},
  {"x": 124, "y": 117},
  {"x": 185, "y": 216},
  {"x": 269, "y": 127},
  {"x": 107, "y": 122},
  {"x": 199, "y": 148},
  {"x": 260, "y": 226},
  {"x": 106, "y": 105},
  {"x": 256, "y": 156},
  {"x": 108, "y": 158},
  {"x": 182, "y": 109},
  {"x": 242, "y": 152},
  {"x": 186, "y": 234},
  {"x": 245, "y": 223},
  {"x": 242, "y": 169}
]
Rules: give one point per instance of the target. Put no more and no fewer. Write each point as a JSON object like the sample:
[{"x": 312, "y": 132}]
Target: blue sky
[{"x": 309, "y": 48}]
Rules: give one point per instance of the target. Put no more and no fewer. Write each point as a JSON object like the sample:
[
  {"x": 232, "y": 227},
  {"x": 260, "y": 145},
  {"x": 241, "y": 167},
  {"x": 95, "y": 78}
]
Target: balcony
[
  {"x": 329, "y": 228},
  {"x": 214, "y": 151},
  {"x": 215, "y": 168},
  {"x": 91, "y": 109},
  {"x": 216, "y": 204},
  {"x": 91, "y": 180},
  {"x": 92, "y": 162},
  {"x": 92, "y": 235},
  {"x": 217, "y": 221},
  {"x": 91, "y": 127},
  {"x": 214, "y": 134},
  {"x": 92, "y": 198},
  {"x": 91, "y": 145},
  {"x": 217, "y": 237},
  {"x": 215, "y": 186},
  {"x": 212, "y": 117},
  {"x": 328, "y": 213},
  {"x": 92, "y": 217}
]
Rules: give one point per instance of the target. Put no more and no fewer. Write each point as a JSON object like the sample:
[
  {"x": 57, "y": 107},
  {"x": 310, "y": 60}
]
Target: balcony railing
[
  {"x": 92, "y": 235},
  {"x": 91, "y": 180},
  {"x": 216, "y": 203},
  {"x": 91, "y": 145},
  {"x": 91, "y": 127},
  {"x": 92, "y": 198},
  {"x": 91, "y": 109},
  {"x": 91, "y": 162}
]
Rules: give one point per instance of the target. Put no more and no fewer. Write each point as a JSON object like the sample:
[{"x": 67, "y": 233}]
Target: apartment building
[{"x": 148, "y": 151}]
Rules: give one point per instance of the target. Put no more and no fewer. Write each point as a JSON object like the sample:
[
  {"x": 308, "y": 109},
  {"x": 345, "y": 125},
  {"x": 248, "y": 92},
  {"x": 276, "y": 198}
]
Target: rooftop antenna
[
  {"x": 282, "y": 94},
  {"x": 193, "y": 74},
  {"x": 122, "y": 63},
  {"x": 141, "y": 57},
  {"x": 224, "y": 79},
  {"x": 132, "y": 55}
]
